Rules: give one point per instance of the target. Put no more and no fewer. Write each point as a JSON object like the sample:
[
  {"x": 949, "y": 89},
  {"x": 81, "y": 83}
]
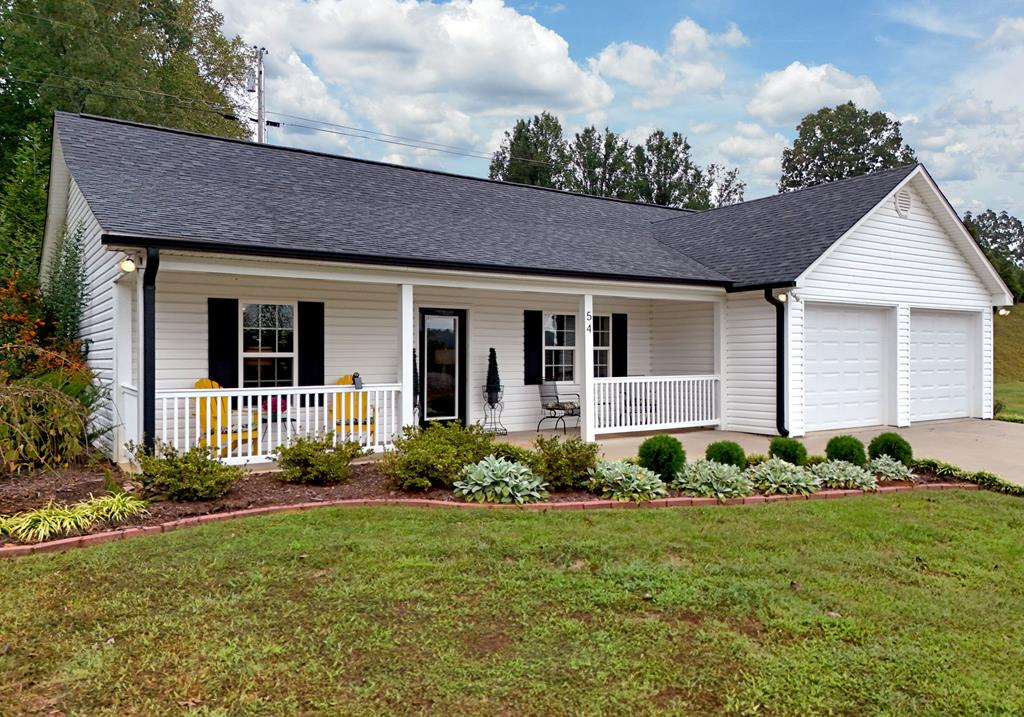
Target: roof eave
[{"x": 114, "y": 239}]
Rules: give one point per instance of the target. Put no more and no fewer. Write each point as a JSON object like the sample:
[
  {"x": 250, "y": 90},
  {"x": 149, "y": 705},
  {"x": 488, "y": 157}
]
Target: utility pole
[{"x": 256, "y": 84}]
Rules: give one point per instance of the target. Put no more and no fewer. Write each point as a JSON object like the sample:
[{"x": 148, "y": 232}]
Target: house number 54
[{"x": 590, "y": 322}]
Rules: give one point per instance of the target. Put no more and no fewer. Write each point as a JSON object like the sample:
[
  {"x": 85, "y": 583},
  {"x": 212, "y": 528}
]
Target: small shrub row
[
  {"x": 56, "y": 521},
  {"x": 663, "y": 455},
  {"x": 317, "y": 460}
]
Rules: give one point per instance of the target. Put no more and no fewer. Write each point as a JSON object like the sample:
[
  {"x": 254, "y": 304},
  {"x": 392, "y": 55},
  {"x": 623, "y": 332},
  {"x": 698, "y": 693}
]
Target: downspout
[
  {"x": 149, "y": 348},
  {"x": 780, "y": 361}
]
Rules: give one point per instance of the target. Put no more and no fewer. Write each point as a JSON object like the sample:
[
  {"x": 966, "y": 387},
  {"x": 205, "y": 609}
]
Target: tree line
[{"x": 659, "y": 170}]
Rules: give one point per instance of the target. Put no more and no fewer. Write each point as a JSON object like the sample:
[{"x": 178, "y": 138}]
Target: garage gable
[{"x": 910, "y": 249}]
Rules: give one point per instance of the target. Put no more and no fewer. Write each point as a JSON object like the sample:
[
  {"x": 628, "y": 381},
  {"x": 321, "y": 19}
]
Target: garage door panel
[
  {"x": 940, "y": 366},
  {"x": 844, "y": 366}
]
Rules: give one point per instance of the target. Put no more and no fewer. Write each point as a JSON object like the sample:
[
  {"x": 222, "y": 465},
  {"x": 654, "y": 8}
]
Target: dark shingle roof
[
  {"x": 155, "y": 183},
  {"x": 774, "y": 239},
  {"x": 172, "y": 188}
]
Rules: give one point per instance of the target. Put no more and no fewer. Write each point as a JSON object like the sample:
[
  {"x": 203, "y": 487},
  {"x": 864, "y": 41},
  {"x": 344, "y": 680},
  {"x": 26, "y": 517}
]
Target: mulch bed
[{"x": 254, "y": 490}]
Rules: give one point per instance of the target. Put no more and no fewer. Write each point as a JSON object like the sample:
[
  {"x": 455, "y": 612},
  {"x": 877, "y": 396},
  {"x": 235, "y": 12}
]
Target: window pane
[
  {"x": 267, "y": 340},
  {"x": 284, "y": 316},
  {"x": 283, "y": 375},
  {"x": 285, "y": 341},
  {"x": 250, "y": 315},
  {"x": 250, "y": 340}
]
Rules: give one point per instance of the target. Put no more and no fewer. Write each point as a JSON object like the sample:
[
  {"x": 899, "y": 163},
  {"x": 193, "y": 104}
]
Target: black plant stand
[{"x": 492, "y": 414}]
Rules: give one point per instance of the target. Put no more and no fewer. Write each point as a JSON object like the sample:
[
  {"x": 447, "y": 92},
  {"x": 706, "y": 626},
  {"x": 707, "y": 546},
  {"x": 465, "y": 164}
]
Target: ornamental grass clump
[
  {"x": 498, "y": 480},
  {"x": 664, "y": 455},
  {"x": 710, "y": 479},
  {"x": 619, "y": 480},
  {"x": 56, "y": 521},
  {"x": 776, "y": 476},
  {"x": 888, "y": 468},
  {"x": 893, "y": 445},
  {"x": 841, "y": 474}
]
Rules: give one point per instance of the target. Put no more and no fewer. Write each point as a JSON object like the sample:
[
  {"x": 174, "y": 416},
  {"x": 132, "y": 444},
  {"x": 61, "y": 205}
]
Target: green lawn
[
  {"x": 1009, "y": 359},
  {"x": 909, "y": 604}
]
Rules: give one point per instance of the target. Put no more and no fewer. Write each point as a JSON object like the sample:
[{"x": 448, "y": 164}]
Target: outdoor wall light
[
  {"x": 127, "y": 265},
  {"x": 1004, "y": 311},
  {"x": 784, "y": 297}
]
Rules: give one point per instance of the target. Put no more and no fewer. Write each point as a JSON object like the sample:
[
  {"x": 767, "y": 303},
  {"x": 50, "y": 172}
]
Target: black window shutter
[
  {"x": 222, "y": 341},
  {"x": 620, "y": 339},
  {"x": 311, "y": 343},
  {"x": 533, "y": 347}
]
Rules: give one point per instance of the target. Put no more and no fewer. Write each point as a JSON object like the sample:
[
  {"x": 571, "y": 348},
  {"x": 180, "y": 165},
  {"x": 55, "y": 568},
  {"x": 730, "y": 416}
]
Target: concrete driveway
[{"x": 995, "y": 446}]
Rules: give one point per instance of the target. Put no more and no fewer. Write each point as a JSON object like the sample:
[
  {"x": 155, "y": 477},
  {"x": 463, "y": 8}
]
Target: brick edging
[{"x": 80, "y": 541}]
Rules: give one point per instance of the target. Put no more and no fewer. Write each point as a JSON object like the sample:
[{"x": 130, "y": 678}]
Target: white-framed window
[
  {"x": 602, "y": 345},
  {"x": 268, "y": 341},
  {"x": 559, "y": 347}
]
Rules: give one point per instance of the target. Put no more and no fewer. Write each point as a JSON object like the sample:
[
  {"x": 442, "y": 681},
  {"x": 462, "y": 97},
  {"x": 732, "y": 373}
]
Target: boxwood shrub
[
  {"x": 788, "y": 449},
  {"x": 846, "y": 448},
  {"x": 728, "y": 452},
  {"x": 893, "y": 445},
  {"x": 662, "y": 454},
  {"x": 195, "y": 474},
  {"x": 316, "y": 460}
]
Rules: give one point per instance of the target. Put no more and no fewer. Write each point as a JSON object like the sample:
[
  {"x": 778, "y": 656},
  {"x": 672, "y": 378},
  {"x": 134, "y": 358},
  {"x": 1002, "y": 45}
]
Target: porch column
[
  {"x": 406, "y": 342},
  {"x": 587, "y": 422},
  {"x": 720, "y": 361}
]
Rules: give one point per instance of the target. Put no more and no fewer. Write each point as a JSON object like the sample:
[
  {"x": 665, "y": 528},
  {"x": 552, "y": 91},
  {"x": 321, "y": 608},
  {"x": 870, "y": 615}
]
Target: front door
[{"x": 442, "y": 365}]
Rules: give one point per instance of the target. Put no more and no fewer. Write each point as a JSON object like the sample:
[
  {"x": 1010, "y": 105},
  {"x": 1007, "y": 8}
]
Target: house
[{"x": 275, "y": 271}]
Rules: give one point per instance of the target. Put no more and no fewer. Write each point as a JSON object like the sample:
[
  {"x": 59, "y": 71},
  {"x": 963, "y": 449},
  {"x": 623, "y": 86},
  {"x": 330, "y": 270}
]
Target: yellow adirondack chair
[
  {"x": 215, "y": 411},
  {"x": 352, "y": 413}
]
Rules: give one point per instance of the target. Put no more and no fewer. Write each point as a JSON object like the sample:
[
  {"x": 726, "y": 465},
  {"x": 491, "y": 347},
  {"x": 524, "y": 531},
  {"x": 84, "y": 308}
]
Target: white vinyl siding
[
  {"x": 908, "y": 266},
  {"x": 97, "y": 328},
  {"x": 684, "y": 338},
  {"x": 750, "y": 363}
]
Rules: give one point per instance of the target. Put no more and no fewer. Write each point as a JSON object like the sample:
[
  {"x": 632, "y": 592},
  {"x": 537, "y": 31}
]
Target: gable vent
[{"x": 903, "y": 203}]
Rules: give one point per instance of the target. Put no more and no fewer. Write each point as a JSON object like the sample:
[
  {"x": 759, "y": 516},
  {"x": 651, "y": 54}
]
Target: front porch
[{"x": 640, "y": 358}]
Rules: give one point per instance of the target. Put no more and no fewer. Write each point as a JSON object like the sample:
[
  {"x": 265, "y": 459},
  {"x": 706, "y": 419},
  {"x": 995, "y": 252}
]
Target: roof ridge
[
  {"x": 391, "y": 165},
  {"x": 823, "y": 185}
]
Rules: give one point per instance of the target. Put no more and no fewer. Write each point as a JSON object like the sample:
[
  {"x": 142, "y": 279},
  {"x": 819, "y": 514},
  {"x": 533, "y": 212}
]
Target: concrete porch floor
[{"x": 976, "y": 445}]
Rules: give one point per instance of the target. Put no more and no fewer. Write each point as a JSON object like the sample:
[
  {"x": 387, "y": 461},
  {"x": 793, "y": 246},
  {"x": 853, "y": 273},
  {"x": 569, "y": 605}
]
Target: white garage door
[
  {"x": 939, "y": 365},
  {"x": 845, "y": 367}
]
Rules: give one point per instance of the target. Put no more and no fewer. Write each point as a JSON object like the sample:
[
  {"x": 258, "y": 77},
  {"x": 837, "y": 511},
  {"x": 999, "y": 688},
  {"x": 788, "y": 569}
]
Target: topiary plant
[
  {"x": 728, "y": 452},
  {"x": 497, "y": 480},
  {"x": 618, "y": 480},
  {"x": 778, "y": 476},
  {"x": 662, "y": 454},
  {"x": 846, "y": 448},
  {"x": 709, "y": 479},
  {"x": 893, "y": 445},
  {"x": 788, "y": 449}
]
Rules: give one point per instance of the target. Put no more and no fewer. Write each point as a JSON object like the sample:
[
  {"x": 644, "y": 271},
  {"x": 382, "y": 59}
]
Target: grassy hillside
[{"x": 1010, "y": 359}]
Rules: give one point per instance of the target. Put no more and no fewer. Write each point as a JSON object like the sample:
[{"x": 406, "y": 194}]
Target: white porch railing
[
  {"x": 246, "y": 425},
  {"x": 652, "y": 403}
]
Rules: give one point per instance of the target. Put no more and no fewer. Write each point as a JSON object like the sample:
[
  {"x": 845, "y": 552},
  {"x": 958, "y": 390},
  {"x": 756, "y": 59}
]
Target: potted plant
[{"x": 493, "y": 385}]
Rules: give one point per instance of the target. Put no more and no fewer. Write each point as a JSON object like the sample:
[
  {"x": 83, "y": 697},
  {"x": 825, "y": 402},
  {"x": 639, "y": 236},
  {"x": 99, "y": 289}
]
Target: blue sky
[{"x": 735, "y": 77}]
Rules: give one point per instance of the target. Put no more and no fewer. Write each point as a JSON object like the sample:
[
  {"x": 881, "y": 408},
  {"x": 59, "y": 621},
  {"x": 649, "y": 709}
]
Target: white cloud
[
  {"x": 702, "y": 127},
  {"x": 1009, "y": 33},
  {"x": 450, "y": 73},
  {"x": 757, "y": 152},
  {"x": 690, "y": 64},
  {"x": 932, "y": 19},
  {"x": 787, "y": 95}
]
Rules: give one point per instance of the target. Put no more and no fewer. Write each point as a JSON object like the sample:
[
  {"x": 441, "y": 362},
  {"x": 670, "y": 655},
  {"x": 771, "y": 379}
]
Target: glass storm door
[{"x": 443, "y": 350}]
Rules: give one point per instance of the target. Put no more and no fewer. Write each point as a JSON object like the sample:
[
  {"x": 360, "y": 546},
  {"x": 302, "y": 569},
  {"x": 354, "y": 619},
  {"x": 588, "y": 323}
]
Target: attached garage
[
  {"x": 845, "y": 366},
  {"x": 940, "y": 364}
]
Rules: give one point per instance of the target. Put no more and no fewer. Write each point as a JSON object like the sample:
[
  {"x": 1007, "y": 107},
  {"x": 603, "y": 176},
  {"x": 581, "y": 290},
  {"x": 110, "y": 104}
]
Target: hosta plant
[
  {"x": 497, "y": 480},
  {"x": 619, "y": 480},
  {"x": 841, "y": 474},
  {"x": 888, "y": 468},
  {"x": 777, "y": 476},
  {"x": 710, "y": 479}
]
